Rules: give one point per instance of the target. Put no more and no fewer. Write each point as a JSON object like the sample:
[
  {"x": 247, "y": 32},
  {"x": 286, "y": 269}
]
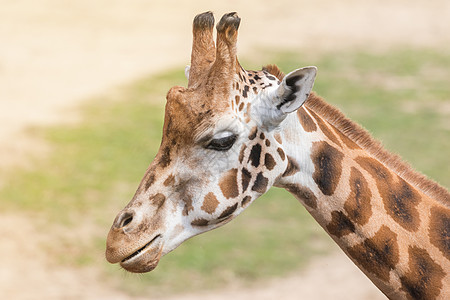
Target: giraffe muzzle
[{"x": 146, "y": 258}]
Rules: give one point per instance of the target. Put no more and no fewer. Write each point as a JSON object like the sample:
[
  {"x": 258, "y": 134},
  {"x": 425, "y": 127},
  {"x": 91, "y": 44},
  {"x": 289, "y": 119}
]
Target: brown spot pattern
[
  {"x": 149, "y": 181},
  {"x": 306, "y": 121},
  {"x": 340, "y": 224},
  {"x": 158, "y": 200},
  {"x": 358, "y": 206},
  {"x": 303, "y": 193},
  {"x": 281, "y": 153},
  {"x": 169, "y": 180},
  {"x": 228, "y": 211},
  {"x": 399, "y": 198},
  {"x": 375, "y": 168},
  {"x": 245, "y": 90},
  {"x": 246, "y": 201},
  {"x": 165, "y": 159},
  {"x": 269, "y": 162},
  {"x": 200, "y": 222},
  {"x": 210, "y": 203},
  {"x": 379, "y": 254},
  {"x": 253, "y": 133},
  {"x": 291, "y": 168},
  {"x": 228, "y": 184},
  {"x": 439, "y": 229},
  {"x": 255, "y": 155},
  {"x": 246, "y": 176},
  {"x": 267, "y": 143},
  {"x": 241, "y": 154},
  {"x": 424, "y": 279},
  {"x": 328, "y": 166},
  {"x": 260, "y": 184}
]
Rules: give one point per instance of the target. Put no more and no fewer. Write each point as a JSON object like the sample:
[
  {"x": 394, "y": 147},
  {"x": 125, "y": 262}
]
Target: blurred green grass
[{"x": 402, "y": 97}]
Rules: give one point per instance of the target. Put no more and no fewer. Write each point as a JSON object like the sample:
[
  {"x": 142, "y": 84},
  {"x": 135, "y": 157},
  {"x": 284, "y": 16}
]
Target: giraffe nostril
[
  {"x": 127, "y": 221},
  {"x": 124, "y": 219}
]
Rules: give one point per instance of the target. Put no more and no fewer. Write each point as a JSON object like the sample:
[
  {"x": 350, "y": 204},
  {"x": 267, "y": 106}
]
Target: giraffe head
[{"x": 219, "y": 150}]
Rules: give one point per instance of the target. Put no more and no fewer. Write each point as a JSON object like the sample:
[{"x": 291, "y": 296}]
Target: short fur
[{"x": 361, "y": 137}]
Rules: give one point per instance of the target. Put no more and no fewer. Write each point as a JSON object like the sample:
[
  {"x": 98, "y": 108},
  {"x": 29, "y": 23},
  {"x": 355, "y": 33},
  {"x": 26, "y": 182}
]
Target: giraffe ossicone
[{"x": 232, "y": 134}]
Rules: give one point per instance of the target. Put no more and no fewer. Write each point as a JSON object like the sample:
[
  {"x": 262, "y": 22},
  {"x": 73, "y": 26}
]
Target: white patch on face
[
  {"x": 262, "y": 109},
  {"x": 177, "y": 228},
  {"x": 229, "y": 123},
  {"x": 300, "y": 150},
  {"x": 223, "y": 134}
]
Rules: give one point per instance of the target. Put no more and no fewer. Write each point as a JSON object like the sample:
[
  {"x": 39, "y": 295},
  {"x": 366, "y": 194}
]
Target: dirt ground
[{"x": 56, "y": 53}]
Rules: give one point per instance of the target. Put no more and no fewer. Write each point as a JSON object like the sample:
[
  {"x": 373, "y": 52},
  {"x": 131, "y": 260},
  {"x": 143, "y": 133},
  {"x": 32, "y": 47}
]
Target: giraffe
[{"x": 232, "y": 134}]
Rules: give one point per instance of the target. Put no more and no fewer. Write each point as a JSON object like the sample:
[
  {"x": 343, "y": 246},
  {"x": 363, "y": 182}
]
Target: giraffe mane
[
  {"x": 274, "y": 70},
  {"x": 362, "y": 138}
]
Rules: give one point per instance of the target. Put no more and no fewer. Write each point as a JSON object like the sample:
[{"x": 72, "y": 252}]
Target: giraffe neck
[{"x": 396, "y": 233}]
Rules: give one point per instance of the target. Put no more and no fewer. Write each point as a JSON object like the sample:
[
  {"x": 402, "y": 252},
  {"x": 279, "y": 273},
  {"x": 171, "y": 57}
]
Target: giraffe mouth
[
  {"x": 145, "y": 258},
  {"x": 140, "y": 250}
]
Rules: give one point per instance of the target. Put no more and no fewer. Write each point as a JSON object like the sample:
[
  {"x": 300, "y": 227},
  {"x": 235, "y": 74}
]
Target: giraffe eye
[{"x": 222, "y": 144}]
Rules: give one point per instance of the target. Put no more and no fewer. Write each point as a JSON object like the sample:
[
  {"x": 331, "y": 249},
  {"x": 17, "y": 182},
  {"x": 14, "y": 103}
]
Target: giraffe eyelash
[{"x": 222, "y": 144}]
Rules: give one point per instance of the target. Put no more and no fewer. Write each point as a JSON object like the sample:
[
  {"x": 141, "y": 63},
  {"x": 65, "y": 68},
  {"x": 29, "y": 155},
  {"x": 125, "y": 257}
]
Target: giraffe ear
[
  {"x": 274, "y": 105},
  {"x": 294, "y": 89}
]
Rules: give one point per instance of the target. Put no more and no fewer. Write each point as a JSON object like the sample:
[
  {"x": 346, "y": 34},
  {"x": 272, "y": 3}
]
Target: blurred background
[{"x": 82, "y": 93}]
